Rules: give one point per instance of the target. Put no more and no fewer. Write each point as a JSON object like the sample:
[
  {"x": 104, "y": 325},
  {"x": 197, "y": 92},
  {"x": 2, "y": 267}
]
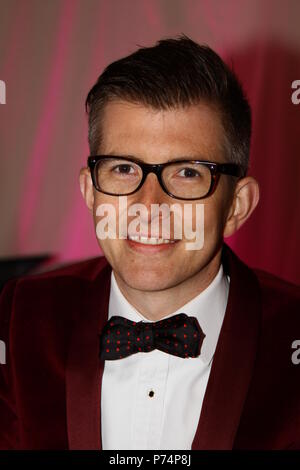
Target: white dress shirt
[{"x": 133, "y": 419}]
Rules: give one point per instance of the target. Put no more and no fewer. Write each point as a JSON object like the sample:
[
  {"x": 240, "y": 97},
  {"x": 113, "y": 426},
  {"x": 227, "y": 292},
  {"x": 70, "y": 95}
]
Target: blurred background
[{"x": 51, "y": 53}]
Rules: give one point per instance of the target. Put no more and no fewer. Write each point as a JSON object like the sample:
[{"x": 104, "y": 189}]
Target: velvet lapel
[
  {"x": 84, "y": 369},
  {"x": 233, "y": 361}
]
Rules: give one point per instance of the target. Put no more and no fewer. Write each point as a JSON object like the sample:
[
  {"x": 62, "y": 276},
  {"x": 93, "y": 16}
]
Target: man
[{"x": 157, "y": 345}]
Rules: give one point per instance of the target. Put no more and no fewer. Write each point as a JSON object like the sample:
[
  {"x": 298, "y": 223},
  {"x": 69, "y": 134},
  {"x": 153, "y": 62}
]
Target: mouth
[
  {"x": 150, "y": 240},
  {"x": 150, "y": 245}
]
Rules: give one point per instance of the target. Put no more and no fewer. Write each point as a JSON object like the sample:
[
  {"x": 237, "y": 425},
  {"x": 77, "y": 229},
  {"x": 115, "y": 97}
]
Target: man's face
[{"x": 155, "y": 136}]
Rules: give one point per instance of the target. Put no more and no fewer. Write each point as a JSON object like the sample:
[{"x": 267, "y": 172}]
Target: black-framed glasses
[{"x": 180, "y": 179}]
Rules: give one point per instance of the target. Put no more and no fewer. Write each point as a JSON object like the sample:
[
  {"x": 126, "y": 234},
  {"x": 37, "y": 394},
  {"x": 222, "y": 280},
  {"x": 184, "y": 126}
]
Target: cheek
[
  {"x": 105, "y": 217},
  {"x": 216, "y": 209},
  {"x": 213, "y": 221},
  {"x": 104, "y": 206}
]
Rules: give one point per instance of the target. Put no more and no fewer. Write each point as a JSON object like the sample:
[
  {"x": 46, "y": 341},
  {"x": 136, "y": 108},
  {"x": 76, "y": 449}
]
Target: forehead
[{"x": 159, "y": 135}]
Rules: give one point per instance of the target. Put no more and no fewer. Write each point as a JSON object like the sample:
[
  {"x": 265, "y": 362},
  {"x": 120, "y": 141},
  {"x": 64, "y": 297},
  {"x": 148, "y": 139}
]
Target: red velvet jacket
[{"x": 50, "y": 386}]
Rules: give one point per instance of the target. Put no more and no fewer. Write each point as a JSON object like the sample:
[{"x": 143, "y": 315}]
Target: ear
[
  {"x": 245, "y": 200},
  {"x": 86, "y": 187}
]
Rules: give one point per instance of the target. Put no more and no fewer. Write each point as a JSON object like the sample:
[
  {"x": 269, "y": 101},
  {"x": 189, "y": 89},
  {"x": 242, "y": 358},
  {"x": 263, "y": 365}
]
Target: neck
[{"x": 155, "y": 305}]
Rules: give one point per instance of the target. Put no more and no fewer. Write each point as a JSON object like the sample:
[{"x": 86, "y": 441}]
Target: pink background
[{"x": 51, "y": 53}]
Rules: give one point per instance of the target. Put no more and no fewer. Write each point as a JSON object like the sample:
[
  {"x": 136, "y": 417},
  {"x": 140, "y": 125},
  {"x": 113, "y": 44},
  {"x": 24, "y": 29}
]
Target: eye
[
  {"x": 124, "y": 169},
  {"x": 188, "y": 173}
]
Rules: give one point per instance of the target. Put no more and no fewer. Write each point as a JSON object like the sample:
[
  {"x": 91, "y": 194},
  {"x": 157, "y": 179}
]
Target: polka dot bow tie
[{"x": 180, "y": 335}]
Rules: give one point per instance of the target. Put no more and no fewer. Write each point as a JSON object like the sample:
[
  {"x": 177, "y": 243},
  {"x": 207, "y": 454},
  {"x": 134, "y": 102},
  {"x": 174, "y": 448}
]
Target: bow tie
[{"x": 180, "y": 335}]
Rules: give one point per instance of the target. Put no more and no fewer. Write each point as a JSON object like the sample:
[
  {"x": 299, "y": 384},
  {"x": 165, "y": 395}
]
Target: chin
[{"x": 145, "y": 279}]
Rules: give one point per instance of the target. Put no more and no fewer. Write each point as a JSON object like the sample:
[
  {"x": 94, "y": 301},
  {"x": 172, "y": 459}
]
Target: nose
[
  {"x": 151, "y": 191},
  {"x": 151, "y": 220}
]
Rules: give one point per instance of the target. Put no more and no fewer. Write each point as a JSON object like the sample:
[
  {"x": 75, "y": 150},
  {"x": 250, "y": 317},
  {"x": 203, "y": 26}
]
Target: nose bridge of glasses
[
  {"x": 155, "y": 168},
  {"x": 146, "y": 186},
  {"x": 149, "y": 168}
]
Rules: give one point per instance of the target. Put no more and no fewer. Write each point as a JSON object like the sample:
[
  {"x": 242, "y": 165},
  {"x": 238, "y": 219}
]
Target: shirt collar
[{"x": 208, "y": 307}]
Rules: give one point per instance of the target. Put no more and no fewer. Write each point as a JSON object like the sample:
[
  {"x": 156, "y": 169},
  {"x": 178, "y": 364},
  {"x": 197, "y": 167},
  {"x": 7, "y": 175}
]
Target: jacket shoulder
[
  {"x": 280, "y": 302},
  {"x": 277, "y": 288},
  {"x": 85, "y": 269},
  {"x": 54, "y": 287}
]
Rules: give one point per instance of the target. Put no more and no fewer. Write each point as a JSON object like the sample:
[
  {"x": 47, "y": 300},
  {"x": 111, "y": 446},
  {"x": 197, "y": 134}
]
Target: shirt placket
[{"x": 150, "y": 401}]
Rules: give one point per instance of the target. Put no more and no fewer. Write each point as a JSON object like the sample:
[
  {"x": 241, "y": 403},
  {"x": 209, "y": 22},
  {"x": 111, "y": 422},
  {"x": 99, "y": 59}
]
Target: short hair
[{"x": 175, "y": 72}]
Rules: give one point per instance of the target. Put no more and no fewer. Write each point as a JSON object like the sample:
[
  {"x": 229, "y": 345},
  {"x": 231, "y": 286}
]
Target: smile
[{"x": 150, "y": 240}]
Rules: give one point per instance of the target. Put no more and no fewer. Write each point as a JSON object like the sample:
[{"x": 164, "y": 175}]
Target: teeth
[{"x": 150, "y": 241}]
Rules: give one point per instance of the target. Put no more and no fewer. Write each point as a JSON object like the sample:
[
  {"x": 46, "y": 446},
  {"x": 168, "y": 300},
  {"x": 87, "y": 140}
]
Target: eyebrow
[{"x": 183, "y": 157}]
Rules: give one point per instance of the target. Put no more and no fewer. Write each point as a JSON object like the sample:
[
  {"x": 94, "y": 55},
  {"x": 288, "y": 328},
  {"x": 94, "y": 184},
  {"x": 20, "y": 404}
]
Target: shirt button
[{"x": 151, "y": 393}]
